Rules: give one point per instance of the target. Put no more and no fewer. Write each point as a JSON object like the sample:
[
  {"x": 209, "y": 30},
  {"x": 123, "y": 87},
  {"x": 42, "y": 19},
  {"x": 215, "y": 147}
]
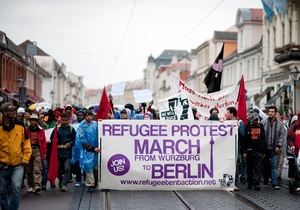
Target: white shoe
[
  {"x": 30, "y": 189},
  {"x": 235, "y": 188},
  {"x": 298, "y": 189}
]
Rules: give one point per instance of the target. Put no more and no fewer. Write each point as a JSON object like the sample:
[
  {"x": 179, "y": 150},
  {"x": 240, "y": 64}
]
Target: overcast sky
[{"x": 109, "y": 41}]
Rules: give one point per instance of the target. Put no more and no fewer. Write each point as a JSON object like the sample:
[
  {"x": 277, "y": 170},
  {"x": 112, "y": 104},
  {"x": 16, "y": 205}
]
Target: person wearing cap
[
  {"x": 39, "y": 154},
  {"x": 69, "y": 111},
  {"x": 253, "y": 149},
  {"x": 15, "y": 150},
  {"x": 27, "y": 115},
  {"x": 48, "y": 123},
  {"x": 87, "y": 135},
  {"x": 275, "y": 137},
  {"x": 20, "y": 113}
]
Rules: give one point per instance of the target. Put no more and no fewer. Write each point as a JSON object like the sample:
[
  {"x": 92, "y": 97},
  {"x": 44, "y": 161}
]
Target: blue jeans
[
  {"x": 11, "y": 177},
  {"x": 44, "y": 172},
  {"x": 270, "y": 162},
  {"x": 64, "y": 170},
  {"x": 274, "y": 168}
]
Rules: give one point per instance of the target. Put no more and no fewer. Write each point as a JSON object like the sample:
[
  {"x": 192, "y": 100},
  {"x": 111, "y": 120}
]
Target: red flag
[
  {"x": 53, "y": 165},
  {"x": 242, "y": 106},
  {"x": 104, "y": 107}
]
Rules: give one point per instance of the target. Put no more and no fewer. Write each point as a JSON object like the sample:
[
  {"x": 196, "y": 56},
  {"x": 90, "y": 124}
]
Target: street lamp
[
  {"x": 294, "y": 76},
  {"x": 22, "y": 91},
  {"x": 52, "y": 97}
]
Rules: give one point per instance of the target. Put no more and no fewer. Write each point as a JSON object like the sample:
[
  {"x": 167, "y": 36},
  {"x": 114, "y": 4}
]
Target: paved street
[{"x": 79, "y": 198}]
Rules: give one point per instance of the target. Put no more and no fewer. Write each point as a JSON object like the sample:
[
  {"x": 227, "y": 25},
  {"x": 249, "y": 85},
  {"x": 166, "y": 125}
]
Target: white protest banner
[
  {"x": 261, "y": 113},
  {"x": 175, "y": 107},
  {"x": 48, "y": 134},
  {"x": 117, "y": 89},
  {"x": 203, "y": 101},
  {"x": 141, "y": 96},
  {"x": 167, "y": 155},
  {"x": 44, "y": 105}
]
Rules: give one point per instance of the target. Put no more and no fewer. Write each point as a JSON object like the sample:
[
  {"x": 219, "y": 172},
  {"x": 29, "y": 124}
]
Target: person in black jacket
[
  {"x": 66, "y": 135},
  {"x": 254, "y": 148}
]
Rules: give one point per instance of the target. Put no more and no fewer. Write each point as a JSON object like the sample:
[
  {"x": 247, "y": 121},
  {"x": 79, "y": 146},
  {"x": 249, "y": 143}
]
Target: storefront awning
[
  {"x": 263, "y": 94},
  {"x": 8, "y": 94},
  {"x": 34, "y": 99},
  {"x": 273, "y": 99}
]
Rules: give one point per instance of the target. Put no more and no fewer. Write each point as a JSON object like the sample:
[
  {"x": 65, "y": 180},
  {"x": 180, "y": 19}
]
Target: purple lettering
[{"x": 175, "y": 171}]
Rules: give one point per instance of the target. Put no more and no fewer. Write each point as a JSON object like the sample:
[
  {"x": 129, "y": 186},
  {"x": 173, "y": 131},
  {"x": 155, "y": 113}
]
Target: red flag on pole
[
  {"x": 104, "y": 107},
  {"x": 53, "y": 165},
  {"x": 242, "y": 105}
]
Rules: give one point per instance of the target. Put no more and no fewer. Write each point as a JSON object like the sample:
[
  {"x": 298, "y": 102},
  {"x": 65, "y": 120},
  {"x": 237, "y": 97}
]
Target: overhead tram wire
[
  {"x": 201, "y": 21},
  {"x": 117, "y": 56}
]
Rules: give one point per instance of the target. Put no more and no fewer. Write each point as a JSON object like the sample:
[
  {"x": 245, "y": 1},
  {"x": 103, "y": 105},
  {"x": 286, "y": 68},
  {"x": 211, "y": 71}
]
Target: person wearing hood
[
  {"x": 293, "y": 141},
  {"x": 125, "y": 114},
  {"x": 253, "y": 149},
  {"x": 69, "y": 111},
  {"x": 132, "y": 111},
  {"x": 148, "y": 116},
  {"x": 88, "y": 138}
]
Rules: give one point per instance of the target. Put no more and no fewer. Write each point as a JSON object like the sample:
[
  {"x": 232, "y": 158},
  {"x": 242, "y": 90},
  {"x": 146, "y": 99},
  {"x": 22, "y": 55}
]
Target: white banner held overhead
[
  {"x": 205, "y": 102},
  {"x": 175, "y": 107},
  {"x": 117, "y": 89},
  {"x": 141, "y": 96},
  {"x": 167, "y": 155}
]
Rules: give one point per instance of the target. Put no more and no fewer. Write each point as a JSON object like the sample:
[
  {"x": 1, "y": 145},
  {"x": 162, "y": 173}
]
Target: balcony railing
[{"x": 287, "y": 53}]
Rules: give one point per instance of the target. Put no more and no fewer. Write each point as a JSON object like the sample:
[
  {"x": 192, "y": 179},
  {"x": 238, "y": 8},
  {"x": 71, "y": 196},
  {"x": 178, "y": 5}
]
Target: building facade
[
  {"x": 281, "y": 55},
  {"x": 246, "y": 60}
]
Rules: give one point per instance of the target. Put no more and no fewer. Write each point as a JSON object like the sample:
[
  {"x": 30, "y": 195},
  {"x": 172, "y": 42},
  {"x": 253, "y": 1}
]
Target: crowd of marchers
[
  {"x": 264, "y": 142},
  {"x": 38, "y": 147}
]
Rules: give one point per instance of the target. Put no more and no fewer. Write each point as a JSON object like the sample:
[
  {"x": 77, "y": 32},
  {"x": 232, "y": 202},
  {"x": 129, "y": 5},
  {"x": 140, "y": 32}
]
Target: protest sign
[
  {"x": 175, "y": 107},
  {"x": 118, "y": 89},
  {"x": 141, "y": 96},
  {"x": 203, "y": 102},
  {"x": 167, "y": 155}
]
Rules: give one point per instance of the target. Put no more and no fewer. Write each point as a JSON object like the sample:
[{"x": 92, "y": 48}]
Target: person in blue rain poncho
[{"x": 88, "y": 138}]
